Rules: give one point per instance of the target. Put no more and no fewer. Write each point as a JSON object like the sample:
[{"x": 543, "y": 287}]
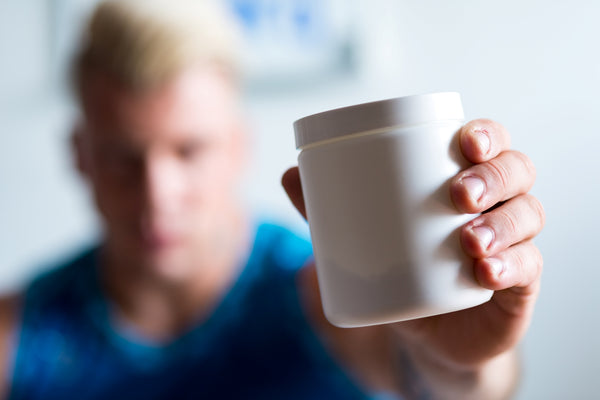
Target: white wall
[{"x": 532, "y": 65}]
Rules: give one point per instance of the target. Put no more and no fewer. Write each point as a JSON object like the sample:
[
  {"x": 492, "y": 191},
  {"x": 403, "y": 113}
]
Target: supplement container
[{"x": 385, "y": 233}]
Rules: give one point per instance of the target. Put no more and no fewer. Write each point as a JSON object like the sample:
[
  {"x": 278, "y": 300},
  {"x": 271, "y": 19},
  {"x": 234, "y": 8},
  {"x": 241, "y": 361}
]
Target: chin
[{"x": 168, "y": 265}]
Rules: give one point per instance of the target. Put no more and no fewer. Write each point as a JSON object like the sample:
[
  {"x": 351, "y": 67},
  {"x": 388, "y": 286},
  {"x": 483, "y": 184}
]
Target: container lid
[{"x": 391, "y": 113}]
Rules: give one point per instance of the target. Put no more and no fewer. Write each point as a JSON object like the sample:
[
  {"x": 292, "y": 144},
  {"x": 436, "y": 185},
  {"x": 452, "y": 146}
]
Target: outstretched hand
[{"x": 499, "y": 241}]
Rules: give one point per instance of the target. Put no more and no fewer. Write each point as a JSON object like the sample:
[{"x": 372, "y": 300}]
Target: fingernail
[
  {"x": 484, "y": 235},
  {"x": 475, "y": 187},
  {"x": 496, "y": 266},
  {"x": 483, "y": 141}
]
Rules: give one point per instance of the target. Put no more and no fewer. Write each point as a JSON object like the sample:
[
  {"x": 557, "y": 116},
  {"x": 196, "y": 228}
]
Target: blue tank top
[{"x": 257, "y": 343}]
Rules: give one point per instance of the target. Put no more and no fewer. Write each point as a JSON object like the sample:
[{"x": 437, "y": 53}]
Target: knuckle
[
  {"x": 514, "y": 171},
  {"x": 526, "y": 163},
  {"x": 519, "y": 264},
  {"x": 531, "y": 262},
  {"x": 509, "y": 220},
  {"x": 500, "y": 172},
  {"x": 539, "y": 260},
  {"x": 497, "y": 127},
  {"x": 535, "y": 262},
  {"x": 537, "y": 208}
]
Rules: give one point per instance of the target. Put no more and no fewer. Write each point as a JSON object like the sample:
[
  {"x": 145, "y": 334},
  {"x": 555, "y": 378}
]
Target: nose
[{"x": 163, "y": 187}]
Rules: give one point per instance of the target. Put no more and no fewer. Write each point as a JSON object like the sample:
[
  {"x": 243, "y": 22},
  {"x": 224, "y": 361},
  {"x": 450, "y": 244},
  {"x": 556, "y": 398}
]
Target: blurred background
[{"x": 534, "y": 66}]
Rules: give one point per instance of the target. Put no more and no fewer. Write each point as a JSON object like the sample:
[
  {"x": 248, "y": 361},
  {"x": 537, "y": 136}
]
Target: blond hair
[{"x": 142, "y": 43}]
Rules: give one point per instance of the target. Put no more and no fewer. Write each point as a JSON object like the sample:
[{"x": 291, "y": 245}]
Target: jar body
[{"x": 385, "y": 232}]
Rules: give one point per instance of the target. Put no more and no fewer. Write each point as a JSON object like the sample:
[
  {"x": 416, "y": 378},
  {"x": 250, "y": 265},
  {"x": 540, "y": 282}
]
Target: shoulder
[
  {"x": 50, "y": 290},
  {"x": 64, "y": 278},
  {"x": 8, "y": 323}
]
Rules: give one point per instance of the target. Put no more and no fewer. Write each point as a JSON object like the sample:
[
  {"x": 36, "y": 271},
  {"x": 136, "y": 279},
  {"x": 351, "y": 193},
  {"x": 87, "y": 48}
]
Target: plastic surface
[
  {"x": 384, "y": 229},
  {"x": 386, "y": 114}
]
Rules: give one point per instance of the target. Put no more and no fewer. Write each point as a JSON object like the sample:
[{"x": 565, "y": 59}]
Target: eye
[
  {"x": 118, "y": 159},
  {"x": 190, "y": 150}
]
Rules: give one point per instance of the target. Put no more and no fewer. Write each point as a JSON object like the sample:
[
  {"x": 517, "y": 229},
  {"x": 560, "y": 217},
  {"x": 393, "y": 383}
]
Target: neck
[{"x": 159, "y": 308}]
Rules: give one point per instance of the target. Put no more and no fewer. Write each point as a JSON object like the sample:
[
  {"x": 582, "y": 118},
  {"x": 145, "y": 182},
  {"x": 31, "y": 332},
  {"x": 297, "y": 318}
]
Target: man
[{"x": 186, "y": 297}]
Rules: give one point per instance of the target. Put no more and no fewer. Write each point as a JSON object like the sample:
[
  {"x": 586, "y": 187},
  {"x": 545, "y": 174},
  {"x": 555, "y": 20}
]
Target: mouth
[{"x": 158, "y": 240}]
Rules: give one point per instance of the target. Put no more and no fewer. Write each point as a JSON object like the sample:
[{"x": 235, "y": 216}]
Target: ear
[{"x": 80, "y": 150}]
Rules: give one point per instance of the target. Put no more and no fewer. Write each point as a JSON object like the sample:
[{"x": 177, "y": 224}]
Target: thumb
[{"x": 293, "y": 187}]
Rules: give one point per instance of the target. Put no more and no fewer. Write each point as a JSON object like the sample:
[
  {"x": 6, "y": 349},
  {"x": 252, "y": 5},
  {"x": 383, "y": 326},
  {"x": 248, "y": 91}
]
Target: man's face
[{"x": 162, "y": 164}]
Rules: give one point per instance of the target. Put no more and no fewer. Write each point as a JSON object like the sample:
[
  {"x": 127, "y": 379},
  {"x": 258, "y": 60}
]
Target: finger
[
  {"x": 483, "y": 185},
  {"x": 293, "y": 187},
  {"x": 516, "y": 220},
  {"x": 519, "y": 267},
  {"x": 483, "y": 139}
]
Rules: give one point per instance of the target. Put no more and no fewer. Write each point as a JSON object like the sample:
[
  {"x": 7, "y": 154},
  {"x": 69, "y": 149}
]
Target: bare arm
[{"x": 8, "y": 316}]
